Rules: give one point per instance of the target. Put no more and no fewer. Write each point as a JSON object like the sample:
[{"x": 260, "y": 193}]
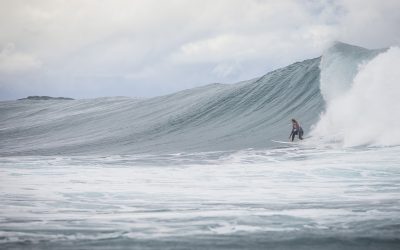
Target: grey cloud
[{"x": 15, "y": 62}]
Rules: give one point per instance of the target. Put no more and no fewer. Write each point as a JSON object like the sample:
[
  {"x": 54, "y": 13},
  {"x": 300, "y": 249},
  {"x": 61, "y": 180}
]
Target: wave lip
[{"x": 339, "y": 65}]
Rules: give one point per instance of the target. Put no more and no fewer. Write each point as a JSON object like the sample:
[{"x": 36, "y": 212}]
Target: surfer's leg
[{"x": 301, "y": 134}]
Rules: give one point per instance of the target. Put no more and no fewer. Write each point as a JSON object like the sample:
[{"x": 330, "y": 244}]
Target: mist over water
[{"x": 198, "y": 169}]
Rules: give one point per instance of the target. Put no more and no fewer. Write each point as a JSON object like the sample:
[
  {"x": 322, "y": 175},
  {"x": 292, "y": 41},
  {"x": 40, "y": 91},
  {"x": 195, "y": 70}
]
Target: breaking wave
[
  {"x": 354, "y": 89},
  {"x": 365, "y": 111}
]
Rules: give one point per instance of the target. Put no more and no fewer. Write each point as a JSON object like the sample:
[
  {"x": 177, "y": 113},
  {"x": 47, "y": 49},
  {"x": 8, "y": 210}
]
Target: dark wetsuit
[{"x": 297, "y": 130}]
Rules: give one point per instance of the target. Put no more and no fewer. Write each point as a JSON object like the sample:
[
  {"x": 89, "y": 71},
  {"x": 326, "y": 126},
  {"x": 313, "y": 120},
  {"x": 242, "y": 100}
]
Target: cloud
[
  {"x": 227, "y": 69},
  {"x": 163, "y": 46},
  {"x": 371, "y": 23},
  {"x": 15, "y": 62}
]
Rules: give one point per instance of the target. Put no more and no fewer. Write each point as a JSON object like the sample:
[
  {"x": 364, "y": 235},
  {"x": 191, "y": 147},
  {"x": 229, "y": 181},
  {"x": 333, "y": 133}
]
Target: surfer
[{"x": 296, "y": 130}]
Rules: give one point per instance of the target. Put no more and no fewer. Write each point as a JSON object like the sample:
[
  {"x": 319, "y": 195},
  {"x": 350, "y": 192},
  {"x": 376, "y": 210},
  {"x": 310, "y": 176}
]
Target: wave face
[
  {"x": 222, "y": 117},
  {"x": 361, "y": 109},
  {"x": 214, "y": 117}
]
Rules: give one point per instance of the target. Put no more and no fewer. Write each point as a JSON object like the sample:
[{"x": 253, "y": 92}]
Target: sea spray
[{"x": 367, "y": 113}]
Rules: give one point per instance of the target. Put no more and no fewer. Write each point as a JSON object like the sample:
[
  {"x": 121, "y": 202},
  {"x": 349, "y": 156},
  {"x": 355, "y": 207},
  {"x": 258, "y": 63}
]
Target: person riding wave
[{"x": 296, "y": 130}]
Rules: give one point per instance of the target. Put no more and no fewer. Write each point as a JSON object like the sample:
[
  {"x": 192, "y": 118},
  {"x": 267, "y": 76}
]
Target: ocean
[{"x": 199, "y": 169}]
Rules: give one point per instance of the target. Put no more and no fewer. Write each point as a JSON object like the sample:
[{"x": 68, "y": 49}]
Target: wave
[{"x": 214, "y": 117}]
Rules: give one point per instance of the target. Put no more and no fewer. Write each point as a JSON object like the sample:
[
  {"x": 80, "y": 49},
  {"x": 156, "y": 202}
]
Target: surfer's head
[{"x": 294, "y": 120}]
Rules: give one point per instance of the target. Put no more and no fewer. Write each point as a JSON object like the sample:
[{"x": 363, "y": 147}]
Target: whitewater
[{"x": 198, "y": 169}]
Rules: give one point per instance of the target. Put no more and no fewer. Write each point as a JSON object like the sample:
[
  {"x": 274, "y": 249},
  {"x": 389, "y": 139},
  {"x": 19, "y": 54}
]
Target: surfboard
[{"x": 285, "y": 142}]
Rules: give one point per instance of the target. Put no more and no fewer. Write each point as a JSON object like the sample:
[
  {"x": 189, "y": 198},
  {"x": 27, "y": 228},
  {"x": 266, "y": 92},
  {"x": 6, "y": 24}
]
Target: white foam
[
  {"x": 80, "y": 199},
  {"x": 367, "y": 113}
]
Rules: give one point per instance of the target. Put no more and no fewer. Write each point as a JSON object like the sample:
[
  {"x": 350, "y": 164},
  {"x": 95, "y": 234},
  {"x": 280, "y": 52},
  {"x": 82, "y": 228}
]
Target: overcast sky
[{"x": 88, "y": 48}]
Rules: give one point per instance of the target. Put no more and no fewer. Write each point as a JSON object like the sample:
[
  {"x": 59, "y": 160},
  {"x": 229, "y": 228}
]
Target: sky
[{"x": 145, "y": 48}]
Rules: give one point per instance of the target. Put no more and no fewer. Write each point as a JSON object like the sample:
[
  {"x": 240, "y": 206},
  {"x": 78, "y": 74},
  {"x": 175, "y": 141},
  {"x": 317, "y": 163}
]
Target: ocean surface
[{"x": 199, "y": 169}]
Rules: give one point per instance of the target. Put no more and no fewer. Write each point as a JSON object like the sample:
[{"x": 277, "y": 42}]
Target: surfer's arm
[{"x": 291, "y": 133}]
